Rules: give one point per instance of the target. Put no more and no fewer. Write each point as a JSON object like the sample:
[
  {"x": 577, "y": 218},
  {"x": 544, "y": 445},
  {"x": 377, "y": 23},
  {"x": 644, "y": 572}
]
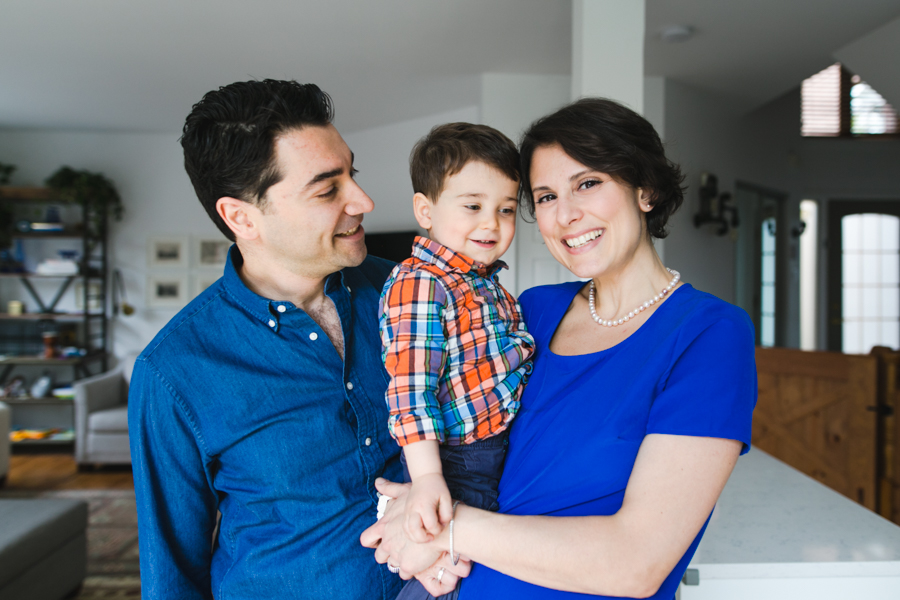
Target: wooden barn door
[{"x": 816, "y": 412}]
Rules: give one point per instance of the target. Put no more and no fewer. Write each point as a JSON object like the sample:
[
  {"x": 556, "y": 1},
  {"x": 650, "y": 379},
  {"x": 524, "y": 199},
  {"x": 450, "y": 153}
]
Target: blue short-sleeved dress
[{"x": 688, "y": 370}]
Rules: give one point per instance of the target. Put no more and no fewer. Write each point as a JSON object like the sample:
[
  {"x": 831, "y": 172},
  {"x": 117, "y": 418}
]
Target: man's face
[{"x": 311, "y": 224}]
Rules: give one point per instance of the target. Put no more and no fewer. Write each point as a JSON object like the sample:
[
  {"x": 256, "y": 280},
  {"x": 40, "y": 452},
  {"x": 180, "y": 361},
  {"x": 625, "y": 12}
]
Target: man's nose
[{"x": 359, "y": 202}]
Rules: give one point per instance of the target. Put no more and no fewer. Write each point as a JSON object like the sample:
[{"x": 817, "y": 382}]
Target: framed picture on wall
[
  {"x": 167, "y": 290},
  {"x": 167, "y": 252},
  {"x": 211, "y": 253}
]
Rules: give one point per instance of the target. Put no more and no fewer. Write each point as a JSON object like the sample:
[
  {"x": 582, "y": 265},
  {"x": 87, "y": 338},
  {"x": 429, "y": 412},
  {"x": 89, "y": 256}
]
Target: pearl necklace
[{"x": 638, "y": 310}]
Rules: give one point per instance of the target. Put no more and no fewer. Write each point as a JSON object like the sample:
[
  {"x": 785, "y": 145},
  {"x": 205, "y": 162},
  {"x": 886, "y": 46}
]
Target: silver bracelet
[{"x": 453, "y": 557}]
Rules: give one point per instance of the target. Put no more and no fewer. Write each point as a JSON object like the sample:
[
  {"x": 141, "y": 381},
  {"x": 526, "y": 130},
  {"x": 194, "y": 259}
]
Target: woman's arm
[{"x": 672, "y": 490}]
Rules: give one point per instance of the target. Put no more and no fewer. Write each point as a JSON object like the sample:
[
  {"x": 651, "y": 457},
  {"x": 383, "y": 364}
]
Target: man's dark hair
[
  {"x": 605, "y": 136},
  {"x": 229, "y": 138},
  {"x": 448, "y": 148}
]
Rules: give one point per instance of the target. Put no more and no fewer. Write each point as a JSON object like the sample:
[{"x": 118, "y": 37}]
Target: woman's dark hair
[
  {"x": 605, "y": 136},
  {"x": 229, "y": 138},
  {"x": 450, "y": 147}
]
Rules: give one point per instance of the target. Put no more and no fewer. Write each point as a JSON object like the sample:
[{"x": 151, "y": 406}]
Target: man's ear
[
  {"x": 422, "y": 210},
  {"x": 240, "y": 217}
]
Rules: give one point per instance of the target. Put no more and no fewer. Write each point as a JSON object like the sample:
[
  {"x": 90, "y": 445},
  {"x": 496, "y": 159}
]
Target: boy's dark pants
[{"x": 472, "y": 472}]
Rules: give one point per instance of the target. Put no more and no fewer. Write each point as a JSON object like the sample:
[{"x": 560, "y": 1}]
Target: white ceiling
[{"x": 139, "y": 66}]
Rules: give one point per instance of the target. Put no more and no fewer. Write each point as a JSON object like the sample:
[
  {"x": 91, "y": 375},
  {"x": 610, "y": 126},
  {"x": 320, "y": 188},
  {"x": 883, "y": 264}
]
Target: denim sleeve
[{"x": 175, "y": 502}]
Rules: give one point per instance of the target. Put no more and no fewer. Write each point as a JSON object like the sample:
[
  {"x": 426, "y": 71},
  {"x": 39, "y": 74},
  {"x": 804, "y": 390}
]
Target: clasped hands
[{"x": 394, "y": 546}]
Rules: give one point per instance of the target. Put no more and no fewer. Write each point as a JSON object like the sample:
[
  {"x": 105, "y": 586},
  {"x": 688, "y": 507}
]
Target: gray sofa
[
  {"x": 43, "y": 548},
  {"x": 101, "y": 416}
]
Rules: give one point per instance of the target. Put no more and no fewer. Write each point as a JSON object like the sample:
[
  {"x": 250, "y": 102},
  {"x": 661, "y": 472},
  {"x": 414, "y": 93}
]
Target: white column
[
  {"x": 510, "y": 102},
  {"x": 608, "y": 50}
]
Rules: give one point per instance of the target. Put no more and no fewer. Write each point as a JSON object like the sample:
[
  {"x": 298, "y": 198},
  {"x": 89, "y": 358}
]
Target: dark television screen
[{"x": 394, "y": 245}]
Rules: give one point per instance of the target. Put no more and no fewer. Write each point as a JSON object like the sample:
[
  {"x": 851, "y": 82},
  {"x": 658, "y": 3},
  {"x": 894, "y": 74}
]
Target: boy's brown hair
[{"x": 450, "y": 147}]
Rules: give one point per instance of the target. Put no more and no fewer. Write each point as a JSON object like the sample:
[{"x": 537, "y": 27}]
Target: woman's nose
[{"x": 567, "y": 211}]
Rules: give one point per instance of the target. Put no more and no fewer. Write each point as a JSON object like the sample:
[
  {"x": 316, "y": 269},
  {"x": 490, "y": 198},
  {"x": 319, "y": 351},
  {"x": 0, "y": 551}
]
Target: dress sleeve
[
  {"x": 414, "y": 342},
  {"x": 711, "y": 387},
  {"x": 176, "y": 506}
]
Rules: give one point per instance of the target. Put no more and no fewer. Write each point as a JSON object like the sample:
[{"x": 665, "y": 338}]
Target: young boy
[{"x": 454, "y": 342}]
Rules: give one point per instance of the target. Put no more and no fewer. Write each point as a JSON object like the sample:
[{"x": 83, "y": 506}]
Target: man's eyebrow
[{"x": 328, "y": 174}]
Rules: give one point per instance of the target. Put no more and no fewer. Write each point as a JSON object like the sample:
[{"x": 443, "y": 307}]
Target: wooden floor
[{"x": 59, "y": 472}]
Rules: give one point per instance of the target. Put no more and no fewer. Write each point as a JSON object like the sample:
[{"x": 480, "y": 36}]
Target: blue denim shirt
[{"x": 242, "y": 405}]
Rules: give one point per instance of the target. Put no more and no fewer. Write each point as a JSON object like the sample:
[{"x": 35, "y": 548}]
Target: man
[{"x": 263, "y": 399}]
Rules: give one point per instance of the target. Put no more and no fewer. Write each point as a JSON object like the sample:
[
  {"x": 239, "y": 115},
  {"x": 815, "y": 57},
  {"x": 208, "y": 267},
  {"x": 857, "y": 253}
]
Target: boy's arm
[
  {"x": 412, "y": 331},
  {"x": 176, "y": 507},
  {"x": 430, "y": 506}
]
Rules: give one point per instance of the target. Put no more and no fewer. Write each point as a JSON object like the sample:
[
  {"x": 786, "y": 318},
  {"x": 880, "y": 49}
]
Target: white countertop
[{"x": 773, "y": 521}]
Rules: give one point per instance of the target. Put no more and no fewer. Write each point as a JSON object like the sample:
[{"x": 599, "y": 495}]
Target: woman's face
[{"x": 592, "y": 224}]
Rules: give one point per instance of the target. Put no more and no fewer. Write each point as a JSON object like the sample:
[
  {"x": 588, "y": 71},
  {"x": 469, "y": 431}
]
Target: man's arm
[{"x": 176, "y": 506}]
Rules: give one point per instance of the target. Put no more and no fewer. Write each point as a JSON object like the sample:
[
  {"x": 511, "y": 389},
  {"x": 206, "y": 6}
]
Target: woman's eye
[
  {"x": 545, "y": 198},
  {"x": 589, "y": 184}
]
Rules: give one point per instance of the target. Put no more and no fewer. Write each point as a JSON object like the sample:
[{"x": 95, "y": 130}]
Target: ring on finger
[
  {"x": 392, "y": 568},
  {"x": 440, "y": 575}
]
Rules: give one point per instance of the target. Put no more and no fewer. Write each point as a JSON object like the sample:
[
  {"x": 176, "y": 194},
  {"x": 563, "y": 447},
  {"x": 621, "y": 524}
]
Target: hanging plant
[{"x": 93, "y": 191}]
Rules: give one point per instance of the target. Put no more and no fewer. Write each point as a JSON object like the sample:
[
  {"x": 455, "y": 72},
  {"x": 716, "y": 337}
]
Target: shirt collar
[
  {"x": 430, "y": 251},
  {"x": 265, "y": 309}
]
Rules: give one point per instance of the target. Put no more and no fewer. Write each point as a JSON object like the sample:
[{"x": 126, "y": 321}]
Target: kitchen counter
[{"x": 776, "y": 533}]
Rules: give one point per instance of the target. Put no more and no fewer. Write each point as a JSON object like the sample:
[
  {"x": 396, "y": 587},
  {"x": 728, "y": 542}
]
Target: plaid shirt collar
[{"x": 427, "y": 250}]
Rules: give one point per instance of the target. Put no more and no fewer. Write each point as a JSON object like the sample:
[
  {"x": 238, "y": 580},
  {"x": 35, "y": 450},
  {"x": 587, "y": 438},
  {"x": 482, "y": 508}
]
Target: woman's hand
[
  {"x": 442, "y": 577},
  {"x": 394, "y": 547}
]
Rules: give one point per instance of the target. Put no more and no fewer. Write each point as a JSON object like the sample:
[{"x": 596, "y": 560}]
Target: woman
[{"x": 641, "y": 397}]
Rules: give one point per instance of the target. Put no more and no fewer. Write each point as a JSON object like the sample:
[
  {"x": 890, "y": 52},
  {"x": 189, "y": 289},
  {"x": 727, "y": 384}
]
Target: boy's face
[{"x": 475, "y": 215}]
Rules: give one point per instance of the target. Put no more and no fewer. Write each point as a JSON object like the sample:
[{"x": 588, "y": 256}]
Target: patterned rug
[{"x": 112, "y": 568}]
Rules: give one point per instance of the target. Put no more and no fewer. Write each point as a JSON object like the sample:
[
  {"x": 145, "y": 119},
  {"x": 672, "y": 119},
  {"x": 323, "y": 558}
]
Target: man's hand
[
  {"x": 428, "y": 508},
  {"x": 389, "y": 539}
]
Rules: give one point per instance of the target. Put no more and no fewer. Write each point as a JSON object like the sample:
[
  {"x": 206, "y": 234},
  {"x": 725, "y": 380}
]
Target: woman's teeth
[{"x": 583, "y": 239}]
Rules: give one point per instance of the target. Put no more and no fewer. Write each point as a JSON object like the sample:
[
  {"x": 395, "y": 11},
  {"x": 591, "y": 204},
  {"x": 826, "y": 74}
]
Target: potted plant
[{"x": 93, "y": 191}]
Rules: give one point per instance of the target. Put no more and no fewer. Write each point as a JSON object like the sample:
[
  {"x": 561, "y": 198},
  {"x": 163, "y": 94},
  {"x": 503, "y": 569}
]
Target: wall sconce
[{"x": 715, "y": 207}]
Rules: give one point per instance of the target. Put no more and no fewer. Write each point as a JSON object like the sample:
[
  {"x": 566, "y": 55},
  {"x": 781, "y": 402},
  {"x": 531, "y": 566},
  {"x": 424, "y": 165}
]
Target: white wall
[
  {"x": 701, "y": 134},
  {"x": 159, "y": 200}
]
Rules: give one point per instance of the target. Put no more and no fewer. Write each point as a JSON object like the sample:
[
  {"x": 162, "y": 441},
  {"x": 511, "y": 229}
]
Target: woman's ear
[
  {"x": 645, "y": 199},
  {"x": 240, "y": 217},
  {"x": 422, "y": 210}
]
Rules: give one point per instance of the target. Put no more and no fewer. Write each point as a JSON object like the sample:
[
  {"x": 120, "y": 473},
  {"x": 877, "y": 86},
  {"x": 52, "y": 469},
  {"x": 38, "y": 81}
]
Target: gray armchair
[
  {"x": 101, "y": 416},
  {"x": 4, "y": 442}
]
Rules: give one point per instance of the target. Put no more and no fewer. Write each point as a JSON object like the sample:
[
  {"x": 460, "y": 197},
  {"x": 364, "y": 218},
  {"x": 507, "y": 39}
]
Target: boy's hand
[{"x": 428, "y": 508}]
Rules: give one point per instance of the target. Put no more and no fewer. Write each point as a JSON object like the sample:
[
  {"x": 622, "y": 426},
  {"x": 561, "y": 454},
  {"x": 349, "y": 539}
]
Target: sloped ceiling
[
  {"x": 876, "y": 59},
  {"x": 114, "y": 65}
]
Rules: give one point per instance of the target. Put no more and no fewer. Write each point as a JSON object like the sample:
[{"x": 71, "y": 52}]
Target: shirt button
[
  {"x": 368, "y": 441},
  {"x": 271, "y": 323},
  {"x": 349, "y": 386},
  {"x": 348, "y": 288},
  {"x": 281, "y": 308},
  {"x": 314, "y": 336}
]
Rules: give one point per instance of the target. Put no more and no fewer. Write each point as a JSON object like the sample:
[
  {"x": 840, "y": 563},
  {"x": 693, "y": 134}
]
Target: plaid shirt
[{"x": 455, "y": 346}]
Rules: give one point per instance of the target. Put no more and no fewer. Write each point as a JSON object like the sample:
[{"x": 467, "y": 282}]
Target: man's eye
[{"x": 353, "y": 172}]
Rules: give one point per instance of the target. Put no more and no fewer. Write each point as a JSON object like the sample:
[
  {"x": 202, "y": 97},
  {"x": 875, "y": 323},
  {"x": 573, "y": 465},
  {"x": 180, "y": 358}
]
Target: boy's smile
[{"x": 475, "y": 214}]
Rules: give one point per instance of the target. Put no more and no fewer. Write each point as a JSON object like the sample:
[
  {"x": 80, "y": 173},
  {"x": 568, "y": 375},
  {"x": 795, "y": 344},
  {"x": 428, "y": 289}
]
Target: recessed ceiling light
[{"x": 675, "y": 34}]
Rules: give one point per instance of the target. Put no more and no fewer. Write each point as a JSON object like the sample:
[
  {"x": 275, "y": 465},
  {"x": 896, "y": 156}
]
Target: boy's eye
[
  {"x": 508, "y": 211},
  {"x": 473, "y": 206}
]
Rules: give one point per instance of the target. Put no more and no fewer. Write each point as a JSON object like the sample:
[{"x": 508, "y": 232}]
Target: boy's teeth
[{"x": 582, "y": 239}]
